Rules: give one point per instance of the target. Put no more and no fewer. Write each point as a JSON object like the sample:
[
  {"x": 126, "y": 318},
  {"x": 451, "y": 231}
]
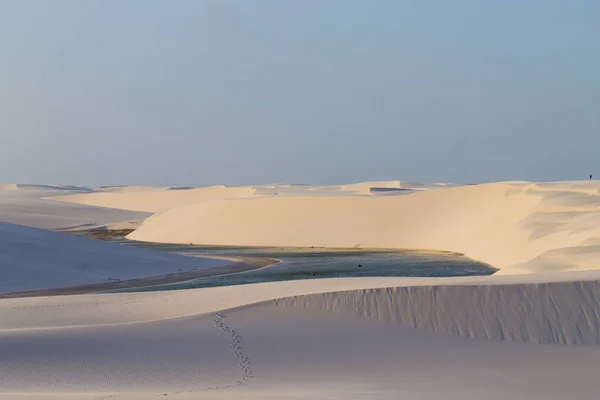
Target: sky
[{"x": 234, "y": 92}]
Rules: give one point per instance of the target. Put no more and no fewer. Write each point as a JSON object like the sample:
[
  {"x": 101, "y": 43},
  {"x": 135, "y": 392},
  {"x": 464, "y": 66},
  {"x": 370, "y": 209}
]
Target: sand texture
[
  {"x": 516, "y": 227},
  {"x": 529, "y": 332},
  {"x": 342, "y": 343}
]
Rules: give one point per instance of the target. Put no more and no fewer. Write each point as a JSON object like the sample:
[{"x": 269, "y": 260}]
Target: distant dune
[
  {"x": 26, "y": 205},
  {"x": 8, "y": 186},
  {"x": 15, "y": 186},
  {"x": 153, "y": 199},
  {"x": 518, "y": 227}
]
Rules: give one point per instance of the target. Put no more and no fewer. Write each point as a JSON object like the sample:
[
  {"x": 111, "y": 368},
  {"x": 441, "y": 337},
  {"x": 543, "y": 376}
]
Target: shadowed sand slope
[
  {"x": 552, "y": 302},
  {"x": 518, "y": 227},
  {"x": 554, "y": 313}
]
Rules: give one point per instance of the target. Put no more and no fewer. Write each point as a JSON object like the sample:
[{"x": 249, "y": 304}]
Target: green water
[{"x": 317, "y": 263}]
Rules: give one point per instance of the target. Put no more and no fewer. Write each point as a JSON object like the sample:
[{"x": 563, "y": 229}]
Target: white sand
[
  {"x": 159, "y": 199},
  {"x": 352, "y": 344},
  {"x": 527, "y": 337},
  {"x": 25, "y": 205},
  {"x": 9, "y": 186},
  {"x": 154, "y": 199},
  {"x": 517, "y": 227}
]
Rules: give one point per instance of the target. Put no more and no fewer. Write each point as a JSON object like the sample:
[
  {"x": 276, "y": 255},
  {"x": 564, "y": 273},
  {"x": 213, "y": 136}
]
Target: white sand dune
[
  {"x": 159, "y": 199},
  {"x": 35, "y": 259},
  {"x": 98, "y": 309},
  {"x": 337, "y": 338},
  {"x": 518, "y": 227},
  {"x": 154, "y": 199},
  {"x": 9, "y": 186},
  {"x": 362, "y": 188},
  {"x": 26, "y": 206}
]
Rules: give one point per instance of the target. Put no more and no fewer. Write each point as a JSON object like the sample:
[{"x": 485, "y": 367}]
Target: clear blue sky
[{"x": 194, "y": 92}]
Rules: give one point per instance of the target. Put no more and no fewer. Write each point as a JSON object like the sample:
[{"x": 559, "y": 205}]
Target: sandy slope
[
  {"x": 35, "y": 259},
  {"x": 154, "y": 199},
  {"x": 334, "y": 339},
  {"x": 25, "y": 205},
  {"x": 517, "y": 227}
]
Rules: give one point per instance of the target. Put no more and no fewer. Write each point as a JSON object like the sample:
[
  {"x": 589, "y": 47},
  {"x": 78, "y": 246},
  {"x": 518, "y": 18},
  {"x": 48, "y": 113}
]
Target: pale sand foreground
[{"x": 354, "y": 343}]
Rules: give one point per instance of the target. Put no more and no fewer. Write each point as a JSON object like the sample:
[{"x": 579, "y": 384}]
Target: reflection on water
[{"x": 323, "y": 263}]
